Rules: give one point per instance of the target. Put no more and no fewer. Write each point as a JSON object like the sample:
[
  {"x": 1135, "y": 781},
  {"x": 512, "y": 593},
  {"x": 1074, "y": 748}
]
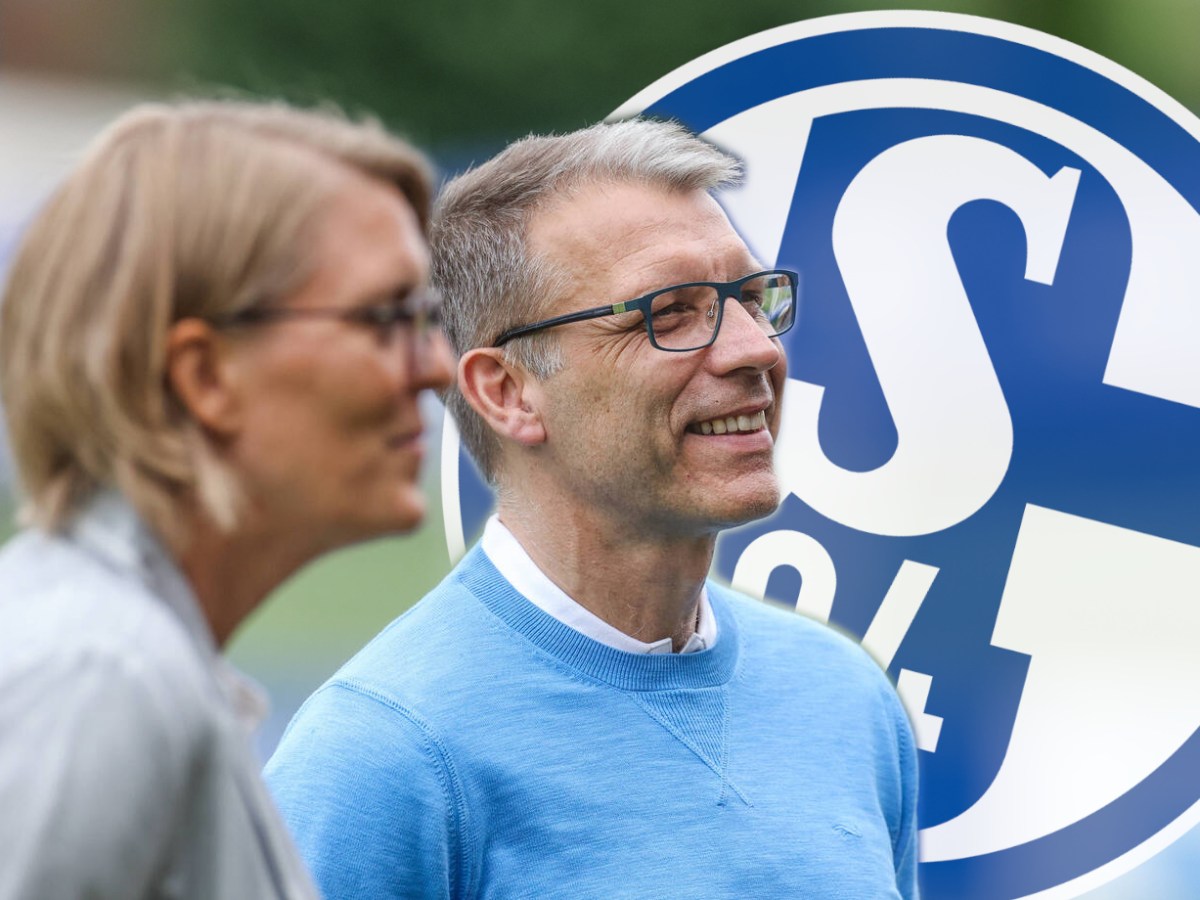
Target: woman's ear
[
  {"x": 504, "y": 395},
  {"x": 199, "y": 374}
]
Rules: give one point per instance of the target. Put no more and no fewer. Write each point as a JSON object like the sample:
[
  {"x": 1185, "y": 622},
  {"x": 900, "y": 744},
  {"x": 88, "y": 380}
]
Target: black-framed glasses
[
  {"x": 688, "y": 316},
  {"x": 419, "y": 313}
]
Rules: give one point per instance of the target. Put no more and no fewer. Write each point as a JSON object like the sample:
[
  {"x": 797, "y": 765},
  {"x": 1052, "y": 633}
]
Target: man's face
[{"x": 623, "y": 419}]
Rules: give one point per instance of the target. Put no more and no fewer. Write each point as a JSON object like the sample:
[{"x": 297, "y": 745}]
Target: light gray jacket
[{"x": 125, "y": 764}]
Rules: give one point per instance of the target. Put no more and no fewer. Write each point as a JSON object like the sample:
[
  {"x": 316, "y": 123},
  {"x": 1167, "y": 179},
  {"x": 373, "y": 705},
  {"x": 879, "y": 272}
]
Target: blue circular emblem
[{"x": 991, "y": 437}]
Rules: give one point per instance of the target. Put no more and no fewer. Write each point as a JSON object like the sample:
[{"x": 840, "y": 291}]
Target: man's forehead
[{"x": 618, "y": 227}]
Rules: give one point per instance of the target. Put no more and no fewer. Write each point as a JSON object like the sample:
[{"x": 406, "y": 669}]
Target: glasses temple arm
[{"x": 580, "y": 316}]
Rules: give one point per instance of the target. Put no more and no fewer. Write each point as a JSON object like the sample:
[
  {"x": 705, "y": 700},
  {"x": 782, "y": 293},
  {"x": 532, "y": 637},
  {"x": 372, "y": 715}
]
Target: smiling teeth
[{"x": 733, "y": 424}]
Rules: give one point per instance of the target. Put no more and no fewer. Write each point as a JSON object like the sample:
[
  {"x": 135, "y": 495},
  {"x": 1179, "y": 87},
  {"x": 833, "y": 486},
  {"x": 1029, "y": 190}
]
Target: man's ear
[
  {"x": 505, "y": 396},
  {"x": 199, "y": 373}
]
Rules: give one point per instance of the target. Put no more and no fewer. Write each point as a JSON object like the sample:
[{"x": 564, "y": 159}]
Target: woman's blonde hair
[{"x": 187, "y": 210}]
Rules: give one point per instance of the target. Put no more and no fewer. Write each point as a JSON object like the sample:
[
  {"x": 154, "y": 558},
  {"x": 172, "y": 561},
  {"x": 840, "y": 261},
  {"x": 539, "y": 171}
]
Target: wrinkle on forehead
[
  {"x": 601, "y": 214},
  {"x": 620, "y": 240}
]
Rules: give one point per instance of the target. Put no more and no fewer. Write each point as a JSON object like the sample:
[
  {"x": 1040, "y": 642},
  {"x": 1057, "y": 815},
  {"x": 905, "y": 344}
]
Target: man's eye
[
  {"x": 671, "y": 317},
  {"x": 682, "y": 303},
  {"x": 673, "y": 309}
]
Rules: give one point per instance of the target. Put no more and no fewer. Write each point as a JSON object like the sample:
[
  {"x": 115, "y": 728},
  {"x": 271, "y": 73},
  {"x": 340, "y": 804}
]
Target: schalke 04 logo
[{"x": 991, "y": 433}]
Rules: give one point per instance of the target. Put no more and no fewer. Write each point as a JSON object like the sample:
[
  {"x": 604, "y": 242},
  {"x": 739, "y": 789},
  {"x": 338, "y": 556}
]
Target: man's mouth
[{"x": 731, "y": 424}]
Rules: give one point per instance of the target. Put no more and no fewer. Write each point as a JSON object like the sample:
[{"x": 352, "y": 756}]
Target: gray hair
[{"x": 481, "y": 264}]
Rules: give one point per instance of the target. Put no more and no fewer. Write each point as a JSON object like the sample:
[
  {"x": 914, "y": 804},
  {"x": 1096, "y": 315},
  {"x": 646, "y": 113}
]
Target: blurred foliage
[{"x": 466, "y": 73}]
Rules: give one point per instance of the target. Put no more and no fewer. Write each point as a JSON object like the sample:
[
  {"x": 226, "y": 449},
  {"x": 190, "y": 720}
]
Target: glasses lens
[
  {"x": 771, "y": 299},
  {"x": 683, "y": 318}
]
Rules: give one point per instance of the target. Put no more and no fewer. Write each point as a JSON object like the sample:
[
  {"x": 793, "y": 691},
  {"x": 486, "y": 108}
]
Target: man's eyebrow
[
  {"x": 744, "y": 265},
  {"x": 751, "y": 266}
]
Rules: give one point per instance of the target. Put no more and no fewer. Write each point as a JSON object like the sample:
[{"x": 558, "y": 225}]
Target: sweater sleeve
[
  {"x": 370, "y": 797},
  {"x": 904, "y": 844}
]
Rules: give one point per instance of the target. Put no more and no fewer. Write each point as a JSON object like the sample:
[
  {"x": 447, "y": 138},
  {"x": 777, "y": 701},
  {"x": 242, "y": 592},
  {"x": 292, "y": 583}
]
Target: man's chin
[{"x": 748, "y": 506}]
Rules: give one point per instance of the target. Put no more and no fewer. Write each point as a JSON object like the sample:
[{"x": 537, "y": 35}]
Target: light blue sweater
[{"x": 480, "y": 748}]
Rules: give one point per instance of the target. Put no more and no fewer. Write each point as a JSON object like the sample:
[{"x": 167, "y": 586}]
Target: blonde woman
[{"x": 212, "y": 343}]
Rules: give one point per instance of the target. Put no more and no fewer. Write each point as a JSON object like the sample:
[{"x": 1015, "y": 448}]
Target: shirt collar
[{"x": 519, "y": 569}]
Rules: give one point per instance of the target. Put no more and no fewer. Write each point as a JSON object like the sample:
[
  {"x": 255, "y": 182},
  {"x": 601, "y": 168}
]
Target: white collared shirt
[{"x": 519, "y": 570}]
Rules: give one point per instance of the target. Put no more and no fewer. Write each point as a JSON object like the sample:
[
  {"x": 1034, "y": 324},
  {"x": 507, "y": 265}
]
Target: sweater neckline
[{"x": 627, "y": 671}]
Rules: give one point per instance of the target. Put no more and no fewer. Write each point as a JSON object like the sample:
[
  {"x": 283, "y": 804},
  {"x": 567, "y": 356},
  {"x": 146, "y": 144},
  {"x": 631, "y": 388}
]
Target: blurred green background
[
  {"x": 456, "y": 74},
  {"x": 464, "y": 74},
  {"x": 461, "y": 78}
]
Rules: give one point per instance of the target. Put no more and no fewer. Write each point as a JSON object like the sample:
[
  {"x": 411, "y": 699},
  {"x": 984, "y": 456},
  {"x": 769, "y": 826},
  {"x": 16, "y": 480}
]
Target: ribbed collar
[
  {"x": 518, "y": 569},
  {"x": 627, "y": 671}
]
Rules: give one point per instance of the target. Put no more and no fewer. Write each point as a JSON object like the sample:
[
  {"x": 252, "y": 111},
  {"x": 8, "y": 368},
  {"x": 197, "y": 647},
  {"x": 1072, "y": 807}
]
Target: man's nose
[{"x": 741, "y": 341}]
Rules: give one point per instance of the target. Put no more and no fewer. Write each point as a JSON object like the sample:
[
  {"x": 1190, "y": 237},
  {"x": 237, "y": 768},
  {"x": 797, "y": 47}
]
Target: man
[{"x": 575, "y": 711}]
